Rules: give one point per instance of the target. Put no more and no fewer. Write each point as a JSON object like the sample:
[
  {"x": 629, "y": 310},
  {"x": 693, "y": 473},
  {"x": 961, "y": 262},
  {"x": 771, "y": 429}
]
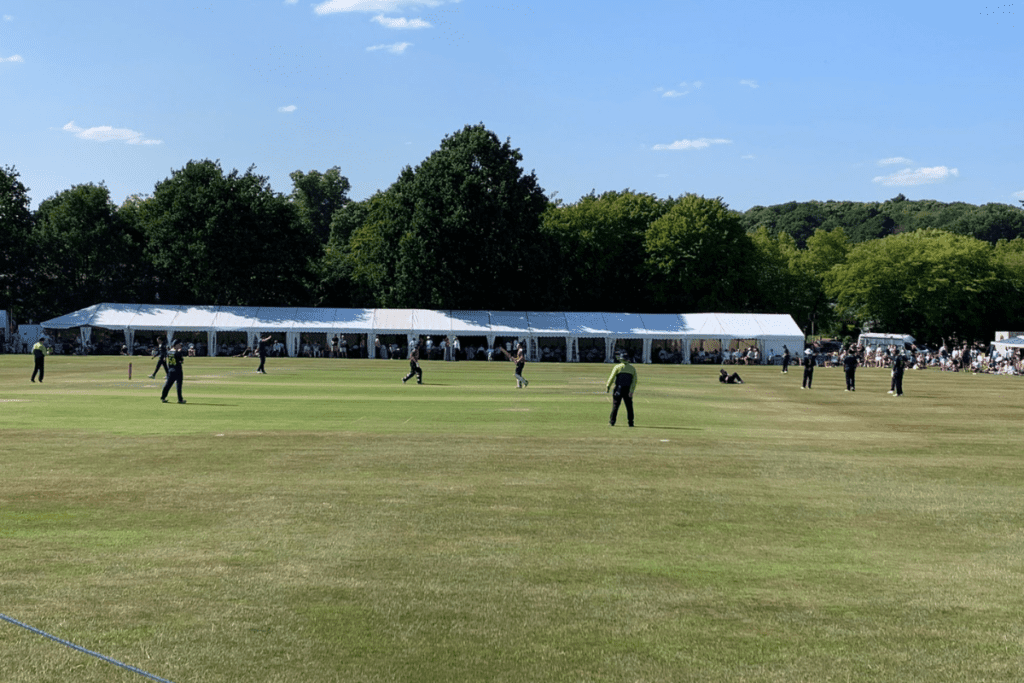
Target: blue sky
[{"x": 756, "y": 102}]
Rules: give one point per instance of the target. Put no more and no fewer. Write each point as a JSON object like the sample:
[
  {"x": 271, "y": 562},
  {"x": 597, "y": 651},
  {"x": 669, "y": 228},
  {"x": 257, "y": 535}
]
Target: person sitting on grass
[{"x": 725, "y": 378}]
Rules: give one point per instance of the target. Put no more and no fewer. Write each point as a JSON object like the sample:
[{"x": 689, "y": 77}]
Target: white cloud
[
  {"x": 290, "y": 2},
  {"x": 1019, "y": 195},
  {"x": 400, "y": 23},
  {"x": 685, "y": 89},
  {"x": 12, "y": 58},
  {"x": 894, "y": 160},
  {"x": 748, "y": 156},
  {"x": 8, "y": 17},
  {"x": 700, "y": 143},
  {"x": 394, "y": 48},
  {"x": 749, "y": 83},
  {"x": 919, "y": 176},
  {"x": 289, "y": 109},
  {"x": 332, "y": 6},
  {"x": 109, "y": 134}
]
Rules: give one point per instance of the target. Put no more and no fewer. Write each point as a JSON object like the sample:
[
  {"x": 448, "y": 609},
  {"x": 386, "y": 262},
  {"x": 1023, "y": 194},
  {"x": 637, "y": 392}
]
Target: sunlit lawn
[{"x": 326, "y": 522}]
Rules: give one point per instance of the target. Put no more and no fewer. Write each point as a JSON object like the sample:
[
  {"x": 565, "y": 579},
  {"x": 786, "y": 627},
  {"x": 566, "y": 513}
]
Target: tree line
[{"x": 468, "y": 228}]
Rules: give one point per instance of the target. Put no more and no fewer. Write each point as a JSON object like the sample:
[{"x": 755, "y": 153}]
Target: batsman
[{"x": 623, "y": 377}]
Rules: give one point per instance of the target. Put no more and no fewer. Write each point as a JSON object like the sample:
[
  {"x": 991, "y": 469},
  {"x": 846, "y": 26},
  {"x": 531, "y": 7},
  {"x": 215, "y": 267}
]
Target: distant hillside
[{"x": 865, "y": 221}]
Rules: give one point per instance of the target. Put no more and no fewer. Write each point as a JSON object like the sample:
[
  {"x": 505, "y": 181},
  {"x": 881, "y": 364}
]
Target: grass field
[{"x": 326, "y": 522}]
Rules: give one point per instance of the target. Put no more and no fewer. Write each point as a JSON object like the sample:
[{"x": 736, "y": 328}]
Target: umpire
[
  {"x": 39, "y": 350},
  {"x": 175, "y": 373},
  {"x": 624, "y": 378}
]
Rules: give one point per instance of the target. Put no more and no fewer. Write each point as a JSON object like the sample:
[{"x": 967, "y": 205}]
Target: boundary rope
[{"x": 54, "y": 638}]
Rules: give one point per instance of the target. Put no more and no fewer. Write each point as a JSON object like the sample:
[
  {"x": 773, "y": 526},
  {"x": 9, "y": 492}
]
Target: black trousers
[
  {"x": 808, "y": 376},
  {"x": 897, "y": 384},
  {"x": 173, "y": 378},
  {"x": 38, "y": 368},
  {"x": 263, "y": 359},
  {"x": 414, "y": 370},
  {"x": 621, "y": 397},
  {"x": 849, "y": 380},
  {"x": 163, "y": 362}
]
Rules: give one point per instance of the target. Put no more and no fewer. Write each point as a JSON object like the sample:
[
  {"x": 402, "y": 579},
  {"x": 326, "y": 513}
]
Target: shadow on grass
[{"x": 685, "y": 429}]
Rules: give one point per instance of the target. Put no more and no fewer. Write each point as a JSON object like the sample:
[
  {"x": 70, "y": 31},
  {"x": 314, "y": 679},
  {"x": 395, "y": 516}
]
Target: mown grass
[{"x": 326, "y": 522}]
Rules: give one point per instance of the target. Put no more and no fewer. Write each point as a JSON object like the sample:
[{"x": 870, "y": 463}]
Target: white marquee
[{"x": 768, "y": 331}]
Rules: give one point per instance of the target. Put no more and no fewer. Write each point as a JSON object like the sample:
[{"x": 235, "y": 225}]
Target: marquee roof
[
  {"x": 160, "y": 317},
  {"x": 1013, "y": 342}
]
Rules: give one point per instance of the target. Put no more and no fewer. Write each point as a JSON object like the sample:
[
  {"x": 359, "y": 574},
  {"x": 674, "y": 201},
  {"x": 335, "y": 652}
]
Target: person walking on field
[
  {"x": 808, "y": 368},
  {"x": 850, "y": 368},
  {"x": 623, "y": 378},
  {"x": 264, "y": 343},
  {"x": 414, "y": 367},
  {"x": 161, "y": 350},
  {"x": 39, "y": 350},
  {"x": 175, "y": 372},
  {"x": 785, "y": 359}
]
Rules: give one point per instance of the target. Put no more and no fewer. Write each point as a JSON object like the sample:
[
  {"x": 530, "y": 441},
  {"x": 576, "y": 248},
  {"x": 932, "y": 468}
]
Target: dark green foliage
[
  {"x": 699, "y": 258},
  {"x": 459, "y": 231},
  {"x": 87, "y": 252},
  {"x": 317, "y": 196},
  {"x": 600, "y": 239},
  {"x": 865, "y": 221},
  {"x": 930, "y": 283},
  {"x": 226, "y": 239},
  {"x": 862, "y": 221},
  {"x": 15, "y": 244}
]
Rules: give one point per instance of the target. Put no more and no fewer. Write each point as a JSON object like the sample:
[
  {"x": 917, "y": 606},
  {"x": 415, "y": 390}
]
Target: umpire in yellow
[
  {"x": 623, "y": 377},
  {"x": 39, "y": 351}
]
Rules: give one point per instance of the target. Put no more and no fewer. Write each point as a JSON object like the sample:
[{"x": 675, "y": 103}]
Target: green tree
[
  {"x": 601, "y": 250},
  {"x": 87, "y": 253},
  {"x": 337, "y": 284},
  {"x": 317, "y": 196},
  {"x": 993, "y": 222},
  {"x": 16, "y": 253},
  {"x": 227, "y": 239},
  {"x": 799, "y": 220},
  {"x": 778, "y": 284},
  {"x": 699, "y": 258},
  {"x": 825, "y": 250},
  {"x": 459, "y": 231},
  {"x": 930, "y": 283},
  {"x": 1009, "y": 258}
]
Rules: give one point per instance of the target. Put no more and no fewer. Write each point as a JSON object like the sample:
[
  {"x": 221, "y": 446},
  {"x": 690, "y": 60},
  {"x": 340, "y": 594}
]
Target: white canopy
[
  {"x": 1004, "y": 345},
  {"x": 769, "y": 331}
]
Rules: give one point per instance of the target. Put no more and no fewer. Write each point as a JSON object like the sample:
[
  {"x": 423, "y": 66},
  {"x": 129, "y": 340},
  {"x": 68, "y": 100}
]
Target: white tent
[
  {"x": 1003, "y": 346},
  {"x": 767, "y": 331}
]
